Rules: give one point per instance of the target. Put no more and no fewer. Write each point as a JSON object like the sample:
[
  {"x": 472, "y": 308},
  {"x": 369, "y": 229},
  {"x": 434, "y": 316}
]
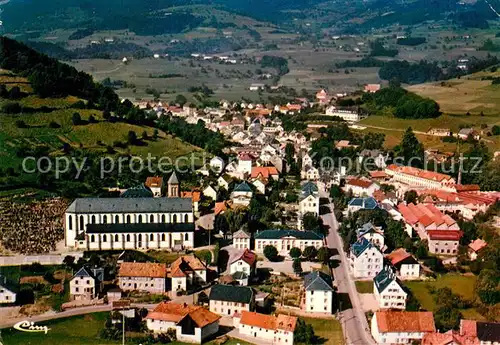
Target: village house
[
  {"x": 404, "y": 263},
  {"x": 242, "y": 194},
  {"x": 365, "y": 259},
  {"x": 349, "y": 115},
  {"x": 210, "y": 192},
  {"x": 309, "y": 173},
  {"x": 440, "y": 230},
  {"x": 308, "y": 201},
  {"x": 243, "y": 266},
  {"x": 8, "y": 292},
  {"x": 275, "y": 329},
  {"x": 322, "y": 97},
  {"x": 265, "y": 172},
  {"x": 372, "y": 233},
  {"x": 143, "y": 276},
  {"x": 186, "y": 273},
  {"x": 242, "y": 240},
  {"x": 475, "y": 247},
  {"x": 86, "y": 284},
  {"x": 224, "y": 181},
  {"x": 260, "y": 184},
  {"x": 372, "y": 88},
  {"x": 229, "y": 300},
  {"x": 245, "y": 163},
  {"x": 318, "y": 289},
  {"x": 388, "y": 290},
  {"x": 195, "y": 197},
  {"x": 155, "y": 183},
  {"x": 360, "y": 187},
  {"x": 420, "y": 179},
  {"x": 192, "y": 324},
  {"x": 401, "y": 327},
  {"x": 471, "y": 332},
  {"x": 356, "y": 204},
  {"x": 284, "y": 240},
  {"x": 465, "y": 133}
]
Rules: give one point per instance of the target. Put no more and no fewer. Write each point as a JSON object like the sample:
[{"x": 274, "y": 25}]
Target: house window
[
  {"x": 128, "y": 237},
  {"x": 151, "y": 219},
  {"x": 174, "y": 218},
  {"x": 70, "y": 222},
  {"x": 151, "y": 237},
  {"x": 92, "y": 238},
  {"x": 139, "y": 219},
  {"x": 128, "y": 218},
  {"x": 186, "y": 237},
  {"x": 81, "y": 222},
  {"x": 163, "y": 218},
  {"x": 163, "y": 237},
  {"x": 93, "y": 219},
  {"x": 116, "y": 238},
  {"x": 104, "y": 219},
  {"x": 186, "y": 219},
  {"x": 117, "y": 219},
  {"x": 104, "y": 238}
]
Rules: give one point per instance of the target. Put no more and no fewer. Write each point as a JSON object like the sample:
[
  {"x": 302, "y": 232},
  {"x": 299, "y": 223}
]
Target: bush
[
  {"x": 54, "y": 125},
  {"x": 11, "y": 108},
  {"x": 495, "y": 130},
  {"x": 21, "y": 124},
  {"x": 310, "y": 253},
  {"x": 92, "y": 119},
  {"x": 295, "y": 252},
  {"x": 323, "y": 254},
  {"x": 76, "y": 118},
  {"x": 271, "y": 253}
]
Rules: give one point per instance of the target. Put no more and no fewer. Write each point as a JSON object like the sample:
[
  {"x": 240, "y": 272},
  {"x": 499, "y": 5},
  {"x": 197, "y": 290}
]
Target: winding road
[{"x": 352, "y": 318}]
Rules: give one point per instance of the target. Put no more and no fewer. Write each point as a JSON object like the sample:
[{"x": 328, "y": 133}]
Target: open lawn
[
  {"x": 459, "y": 284},
  {"x": 364, "y": 286},
  {"x": 329, "y": 330}
]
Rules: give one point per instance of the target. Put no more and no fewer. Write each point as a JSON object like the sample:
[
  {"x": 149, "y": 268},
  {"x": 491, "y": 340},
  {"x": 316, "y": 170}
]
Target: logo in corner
[{"x": 29, "y": 326}]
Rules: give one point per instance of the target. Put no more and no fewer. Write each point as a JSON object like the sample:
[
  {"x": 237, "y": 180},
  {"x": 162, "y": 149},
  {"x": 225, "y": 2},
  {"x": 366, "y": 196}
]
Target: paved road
[{"x": 353, "y": 320}]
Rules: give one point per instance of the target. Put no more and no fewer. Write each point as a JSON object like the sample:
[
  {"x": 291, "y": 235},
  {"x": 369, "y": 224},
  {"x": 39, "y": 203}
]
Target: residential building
[
  {"x": 275, "y": 329},
  {"x": 365, "y": 259},
  {"x": 388, "y": 290},
  {"x": 357, "y": 204},
  {"x": 401, "y": 327},
  {"x": 308, "y": 201},
  {"x": 260, "y": 184},
  {"x": 418, "y": 178},
  {"x": 224, "y": 181},
  {"x": 360, "y": 187},
  {"x": 187, "y": 272},
  {"x": 349, "y": 115},
  {"x": 372, "y": 233},
  {"x": 195, "y": 197},
  {"x": 242, "y": 194},
  {"x": 284, "y": 240},
  {"x": 8, "y": 292},
  {"x": 257, "y": 87},
  {"x": 192, "y": 324},
  {"x": 243, "y": 266},
  {"x": 210, "y": 192},
  {"x": 372, "y": 88},
  {"x": 229, "y": 299},
  {"x": 86, "y": 284},
  {"x": 471, "y": 332},
  {"x": 440, "y": 230},
  {"x": 245, "y": 162},
  {"x": 475, "y": 247},
  {"x": 242, "y": 240},
  {"x": 217, "y": 164},
  {"x": 318, "y": 289},
  {"x": 142, "y": 276},
  {"x": 309, "y": 173},
  {"x": 404, "y": 263},
  {"x": 465, "y": 133},
  {"x": 155, "y": 183}
]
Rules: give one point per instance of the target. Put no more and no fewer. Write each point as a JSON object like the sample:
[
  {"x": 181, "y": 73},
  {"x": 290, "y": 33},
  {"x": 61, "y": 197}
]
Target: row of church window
[
  {"x": 128, "y": 220},
  {"x": 139, "y": 237}
]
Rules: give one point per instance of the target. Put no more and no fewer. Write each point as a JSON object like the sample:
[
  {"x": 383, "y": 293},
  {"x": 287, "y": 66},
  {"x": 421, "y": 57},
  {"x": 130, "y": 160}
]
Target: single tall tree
[{"x": 411, "y": 150}]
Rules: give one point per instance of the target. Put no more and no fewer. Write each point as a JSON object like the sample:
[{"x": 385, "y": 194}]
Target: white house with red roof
[
  {"x": 245, "y": 162},
  {"x": 440, "y": 230},
  {"x": 243, "y": 266},
  {"x": 142, "y": 276},
  {"x": 267, "y": 329},
  {"x": 401, "y": 327},
  {"x": 404, "y": 263},
  {"x": 420, "y": 179},
  {"x": 360, "y": 187},
  {"x": 475, "y": 247}
]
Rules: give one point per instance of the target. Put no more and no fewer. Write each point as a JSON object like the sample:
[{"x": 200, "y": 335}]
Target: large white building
[
  {"x": 401, "y": 327},
  {"x": 275, "y": 329},
  {"x": 348, "y": 115},
  {"x": 308, "y": 201},
  {"x": 242, "y": 240},
  {"x": 318, "y": 293},
  {"x": 418, "y": 178},
  {"x": 388, "y": 290},
  {"x": 372, "y": 233},
  {"x": 192, "y": 324},
  {"x": 284, "y": 240},
  {"x": 365, "y": 259}
]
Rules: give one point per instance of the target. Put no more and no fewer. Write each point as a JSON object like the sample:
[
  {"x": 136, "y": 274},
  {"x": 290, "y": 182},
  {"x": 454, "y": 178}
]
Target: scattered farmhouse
[
  {"x": 143, "y": 276},
  {"x": 275, "y": 329},
  {"x": 401, "y": 327}
]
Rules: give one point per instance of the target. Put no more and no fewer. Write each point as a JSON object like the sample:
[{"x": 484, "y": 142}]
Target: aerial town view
[{"x": 269, "y": 172}]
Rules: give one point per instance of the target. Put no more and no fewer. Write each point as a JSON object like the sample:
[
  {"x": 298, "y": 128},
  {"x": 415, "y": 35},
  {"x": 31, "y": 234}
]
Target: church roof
[
  {"x": 130, "y": 205},
  {"x": 173, "y": 179}
]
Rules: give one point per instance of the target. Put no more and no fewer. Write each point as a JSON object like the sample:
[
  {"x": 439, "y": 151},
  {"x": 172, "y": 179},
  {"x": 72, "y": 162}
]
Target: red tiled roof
[
  {"x": 359, "y": 183},
  {"x": 186, "y": 264},
  {"x": 405, "y": 321},
  {"x": 195, "y": 195},
  {"x": 477, "y": 245},
  {"x": 468, "y": 327},
  {"x": 467, "y": 188},
  {"x": 271, "y": 322},
  {"x": 142, "y": 269},
  {"x": 245, "y": 157},
  {"x": 398, "y": 255},
  {"x": 154, "y": 181},
  {"x": 449, "y": 338},
  {"x": 265, "y": 172},
  {"x": 443, "y": 235},
  {"x": 378, "y": 174},
  {"x": 425, "y": 174},
  {"x": 175, "y": 312},
  {"x": 247, "y": 256},
  {"x": 372, "y": 87}
]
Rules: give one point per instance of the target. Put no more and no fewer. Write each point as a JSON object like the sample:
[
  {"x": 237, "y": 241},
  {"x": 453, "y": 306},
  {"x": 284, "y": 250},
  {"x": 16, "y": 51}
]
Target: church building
[{"x": 131, "y": 223}]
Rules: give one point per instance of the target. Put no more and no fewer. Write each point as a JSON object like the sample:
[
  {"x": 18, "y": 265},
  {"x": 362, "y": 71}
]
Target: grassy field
[
  {"x": 364, "y": 286},
  {"x": 329, "y": 330}
]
